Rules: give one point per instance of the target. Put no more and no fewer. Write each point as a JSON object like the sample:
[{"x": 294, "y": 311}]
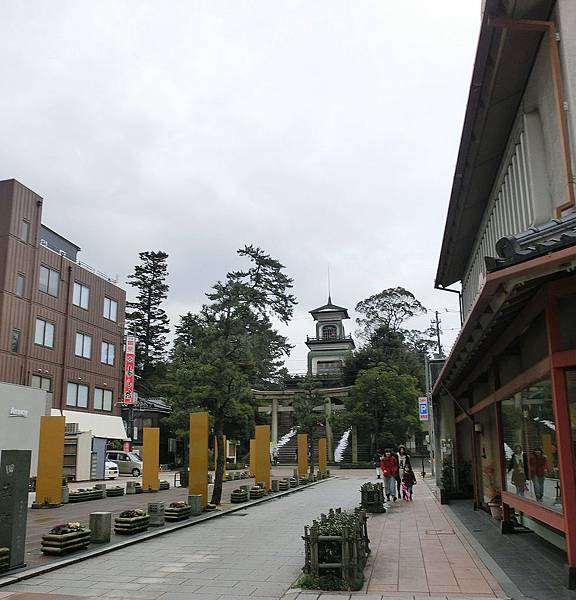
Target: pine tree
[{"x": 146, "y": 320}]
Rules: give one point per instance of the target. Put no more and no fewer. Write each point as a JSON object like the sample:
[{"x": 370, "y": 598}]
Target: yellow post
[
  {"x": 50, "y": 460},
  {"x": 262, "y": 464},
  {"x": 198, "y": 455},
  {"x": 322, "y": 454},
  {"x": 252, "y": 457},
  {"x": 216, "y": 454},
  {"x": 151, "y": 459},
  {"x": 302, "y": 453}
]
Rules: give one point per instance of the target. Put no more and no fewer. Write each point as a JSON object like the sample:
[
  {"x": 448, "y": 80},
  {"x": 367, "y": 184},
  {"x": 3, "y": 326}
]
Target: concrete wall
[{"x": 20, "y": 410}]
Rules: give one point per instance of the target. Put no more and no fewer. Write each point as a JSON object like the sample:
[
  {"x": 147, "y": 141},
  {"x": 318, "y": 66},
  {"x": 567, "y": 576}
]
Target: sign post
[
  {"x": 423, "y": 409},
  {"x": 128, "y": 391}
]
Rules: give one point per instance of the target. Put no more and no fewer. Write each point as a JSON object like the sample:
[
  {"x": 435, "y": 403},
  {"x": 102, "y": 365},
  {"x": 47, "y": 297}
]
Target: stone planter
[
  {"x": 83, "y": 495},
  {"x": 58, "y": 544},
  {"x": 244, "y": 475},
  {"x": 177, "y": 513},
  {"x": 164, "y": 485},
  {"x": 372, "y": 497},
  {"x": 283, "y": 485},
  {"x": 4, "y": 559},
  {"x": 116, "y": 490},
  {"x": 257, "y": 492},
  {"x": 236, "y": 475},
  {"x": 293, "y": 482},
  {"x": 138, "y": 487},
  {"x": 238, "y": 496},
  {"x": 131, "y": 525}
]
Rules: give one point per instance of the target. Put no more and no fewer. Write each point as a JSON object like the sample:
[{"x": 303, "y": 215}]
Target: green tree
[
  {"x": 228, "y": 347},
  {"x": 307, "y": 419},
  {"x": 383, "y": 406},
  {"x": 389, "y": 308},
  {"x": 147, "y": 320}
]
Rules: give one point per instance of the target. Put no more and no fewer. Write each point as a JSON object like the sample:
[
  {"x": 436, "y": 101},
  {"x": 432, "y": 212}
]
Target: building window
[
  {"x": 110, "y": 309},
  {"x": 102, "y": 399},
  {"x": 108, "y": 352},
  {"x": 20, "y": 283},
  {"x": 81, "y": 295},
  {"x": 77, "y": 395},
  {"x": 42, "y": 383},
  {"x": 328, "y": 332},
  {"x": 49, "y": 280},
  {"x": 44, "y": 333},
  {"x": 15, "y": 340},
  {"x": 24, "y": 231},
  {"x": 530, "y": 448},
  {"x": 326, "y": 367},
  {"x": 83, "y": 345}
]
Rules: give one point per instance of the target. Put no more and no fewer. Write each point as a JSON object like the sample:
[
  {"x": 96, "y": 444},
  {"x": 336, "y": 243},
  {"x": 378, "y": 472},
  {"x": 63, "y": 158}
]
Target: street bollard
[
  {"x": 100, "y": 526},
  {"x": 195, "y": 502},
  {"x": 274, "y": 485},
  {"x": 156, "y": 513},
  {"x": 130, "y": 487},
  {"x": 101, "y": 486}
]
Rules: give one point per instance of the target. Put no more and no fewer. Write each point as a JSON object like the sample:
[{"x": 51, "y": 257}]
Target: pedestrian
[
  {"x": 403, "y": 462},
  {"x": 538, "y": 464},
  {"x": 389, "y": 466},
  {"x": 518, "y": 466},
  {"x": 376, "y": 462},
  {"x": 275, "y": 456},
  {"x": 408, "y": 482}
]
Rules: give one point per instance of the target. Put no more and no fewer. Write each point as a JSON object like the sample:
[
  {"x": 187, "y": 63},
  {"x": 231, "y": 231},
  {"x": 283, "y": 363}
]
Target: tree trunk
[{"x": 219, "y": 466}]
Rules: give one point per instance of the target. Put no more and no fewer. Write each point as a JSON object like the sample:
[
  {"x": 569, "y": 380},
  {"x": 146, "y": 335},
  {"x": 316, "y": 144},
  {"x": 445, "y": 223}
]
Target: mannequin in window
[
  {"x": 518, "y": 465},
  {"x": 538, "y": 469}
]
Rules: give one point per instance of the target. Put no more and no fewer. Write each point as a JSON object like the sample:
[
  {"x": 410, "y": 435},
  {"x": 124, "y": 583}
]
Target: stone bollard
[
  {"x": 295, "y": 473},
  {"x": 327, "y": 473},
  {"x": 101, "y": 486},
  {"x": 195, "y": 502},
  {"x": 100, "y": 527},
  {"x": 130, "y": 487},
  {"x": 65, "y": 494},
  {"x": 274, "y": 485},
  {"x": 156, "y": 513}
]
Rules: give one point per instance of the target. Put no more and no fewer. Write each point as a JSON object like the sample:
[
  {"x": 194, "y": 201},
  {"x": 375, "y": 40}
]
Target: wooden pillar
[
  {"x": 253, "y": 457},
  {"x": 302, "y": 453},
  {"x": 274, "y": 431},
  {"x": 354, "y": 445},
  {"x": 322, "y": 454},
  {"x": 198, "y": 478},
  {"x": 151, "y": 459},
  {"x": 329, "y": 433},
  {"x": 50, "y": 460},
  {"x": 262, "y": 464}
]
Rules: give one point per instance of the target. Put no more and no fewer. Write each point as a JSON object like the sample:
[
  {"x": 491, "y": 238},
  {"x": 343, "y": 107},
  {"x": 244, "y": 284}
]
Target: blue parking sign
[{"x": 423, "y": 409}]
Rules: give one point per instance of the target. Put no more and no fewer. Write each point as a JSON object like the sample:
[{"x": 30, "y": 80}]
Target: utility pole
[{"x": 436, "y": 325}]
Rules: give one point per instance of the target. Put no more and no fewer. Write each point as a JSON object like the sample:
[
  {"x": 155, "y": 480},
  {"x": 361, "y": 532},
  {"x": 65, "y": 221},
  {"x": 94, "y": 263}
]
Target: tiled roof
[
  {"x": 153, "y": 404},
  {"x": 329, "y": 307},
  {"x": 534, "y": 242}
]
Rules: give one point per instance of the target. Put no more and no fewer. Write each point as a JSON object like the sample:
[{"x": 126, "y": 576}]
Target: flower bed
[
  {"x": 336, "y": 551},
  {"x": 372, "y": 497},
  {"x": 238, "y": 496},
  {"x": 4, "y": 559},
  {"x": 131, "y": 521},
  {"x": 85, "y": 494},
  {"x": 257, "y": 492},
  {"x": 114, "y": 490},
  {"x": 65, "y": 538},
  {"x": 177, "y": 511}
]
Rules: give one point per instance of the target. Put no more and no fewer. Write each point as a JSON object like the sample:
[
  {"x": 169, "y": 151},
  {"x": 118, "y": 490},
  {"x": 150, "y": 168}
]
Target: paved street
[{"x": 258, "y": 552}]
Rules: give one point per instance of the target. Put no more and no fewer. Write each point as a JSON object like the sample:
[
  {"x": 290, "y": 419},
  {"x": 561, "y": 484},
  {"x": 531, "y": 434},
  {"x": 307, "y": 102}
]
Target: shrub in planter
[
  {"x": 164, "y": 485},
  {"x": 84, "y": 494},
  {"x": 4, "y": 559},
  {"x": 257, "y": 492},
  {"x": 131, "y": 521},
  {"x": 177, "y": 511},
  {"x": 238, "y": 496},
  {"x": 114, "y": 490},
  {"x": 65, "y": 538},
  {"x": 283, "y": 485}
]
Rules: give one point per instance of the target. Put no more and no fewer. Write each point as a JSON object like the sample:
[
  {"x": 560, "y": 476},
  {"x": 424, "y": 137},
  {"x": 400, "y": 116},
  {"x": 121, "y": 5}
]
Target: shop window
[
  {"x": 77, "y": 395},
  {"x": 102, "y": 399},
  {"x": 530, "y": 445},
  {"x": 327, "y": 367}
]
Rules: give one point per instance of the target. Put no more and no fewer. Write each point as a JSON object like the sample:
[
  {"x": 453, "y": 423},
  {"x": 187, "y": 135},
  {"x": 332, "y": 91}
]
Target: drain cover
[{"x": 440, "y": 532}]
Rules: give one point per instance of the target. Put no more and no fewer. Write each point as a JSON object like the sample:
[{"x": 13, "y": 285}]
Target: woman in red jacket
[{"x": 389, "y": 466}]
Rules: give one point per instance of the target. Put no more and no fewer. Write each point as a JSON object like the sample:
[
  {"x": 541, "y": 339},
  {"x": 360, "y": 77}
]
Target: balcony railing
[{"x": 330, "y": 339}]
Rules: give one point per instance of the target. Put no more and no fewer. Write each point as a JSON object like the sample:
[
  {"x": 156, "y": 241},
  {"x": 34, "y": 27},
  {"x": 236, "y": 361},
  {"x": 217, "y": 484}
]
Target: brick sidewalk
[{"x": 416, "y": 549}]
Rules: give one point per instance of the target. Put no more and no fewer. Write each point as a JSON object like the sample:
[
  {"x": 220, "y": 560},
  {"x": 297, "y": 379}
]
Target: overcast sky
[{"x": 324, "y": 131}]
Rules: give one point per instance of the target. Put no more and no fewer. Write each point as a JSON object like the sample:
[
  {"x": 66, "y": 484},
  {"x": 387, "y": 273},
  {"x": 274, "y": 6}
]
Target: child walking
[{"x": 408, "y": 481}]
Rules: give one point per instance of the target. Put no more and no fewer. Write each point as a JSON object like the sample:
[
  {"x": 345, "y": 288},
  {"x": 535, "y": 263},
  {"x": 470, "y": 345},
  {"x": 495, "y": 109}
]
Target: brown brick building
[{"x": 61, "y": 322}]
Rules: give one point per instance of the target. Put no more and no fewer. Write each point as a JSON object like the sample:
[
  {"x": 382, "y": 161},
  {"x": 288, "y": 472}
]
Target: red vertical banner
[{"x": 129, "y": 358}]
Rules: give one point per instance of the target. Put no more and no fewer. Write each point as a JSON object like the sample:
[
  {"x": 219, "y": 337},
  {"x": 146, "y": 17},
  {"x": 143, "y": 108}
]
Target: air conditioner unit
[
  {"x": 71, "y": 428},
  {"x": 43, "y": 243}
]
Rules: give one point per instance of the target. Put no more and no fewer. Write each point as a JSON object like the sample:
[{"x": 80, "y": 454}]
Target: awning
[{"x": 102, "y": 426}]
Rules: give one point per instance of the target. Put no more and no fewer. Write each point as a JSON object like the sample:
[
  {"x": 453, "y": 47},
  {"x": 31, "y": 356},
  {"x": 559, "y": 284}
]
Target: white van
[{"x": 128, "y": 462}]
